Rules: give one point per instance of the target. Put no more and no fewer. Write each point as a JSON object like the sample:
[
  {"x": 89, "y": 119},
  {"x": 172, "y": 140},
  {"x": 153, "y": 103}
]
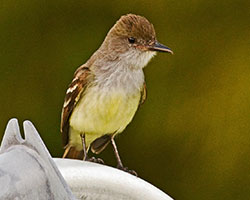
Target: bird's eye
[{"x": 131, "y": 40}]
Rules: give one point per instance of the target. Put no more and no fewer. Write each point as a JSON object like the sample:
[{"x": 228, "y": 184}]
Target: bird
[{"x": 108, "y": 89}]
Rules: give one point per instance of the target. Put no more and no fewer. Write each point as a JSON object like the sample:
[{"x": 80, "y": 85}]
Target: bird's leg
[
  {"x": 85, "y": 155},
  {"x": 85, "y": 152},
  {"x": 119, "y": 162}
]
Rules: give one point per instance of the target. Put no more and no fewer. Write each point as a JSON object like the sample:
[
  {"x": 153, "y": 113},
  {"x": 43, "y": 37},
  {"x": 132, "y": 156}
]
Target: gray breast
[{"x": 119, "y": 77}]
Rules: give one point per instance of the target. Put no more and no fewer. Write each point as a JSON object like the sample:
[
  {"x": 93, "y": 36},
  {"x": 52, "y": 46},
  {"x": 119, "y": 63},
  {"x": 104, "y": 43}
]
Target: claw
[
  {"x": 125, "y": 169},
  {"x": 96, "y": 160}
]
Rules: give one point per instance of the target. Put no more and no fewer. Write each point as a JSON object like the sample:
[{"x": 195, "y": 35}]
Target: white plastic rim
[{"x": 99, "y": 182}]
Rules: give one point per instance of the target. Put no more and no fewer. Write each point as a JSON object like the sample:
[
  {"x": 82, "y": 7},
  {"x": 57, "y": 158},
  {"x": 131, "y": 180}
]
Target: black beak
[{"x": 160, "y": 47}]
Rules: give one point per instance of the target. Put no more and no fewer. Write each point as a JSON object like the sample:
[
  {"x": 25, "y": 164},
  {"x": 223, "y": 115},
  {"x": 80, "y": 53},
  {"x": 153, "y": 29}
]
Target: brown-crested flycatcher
[{"x": 107, "y": 90}]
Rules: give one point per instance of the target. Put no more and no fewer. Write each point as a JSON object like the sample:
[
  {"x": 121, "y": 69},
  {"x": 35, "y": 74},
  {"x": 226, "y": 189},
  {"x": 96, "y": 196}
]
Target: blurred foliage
[{"x": 192, "y": 136}]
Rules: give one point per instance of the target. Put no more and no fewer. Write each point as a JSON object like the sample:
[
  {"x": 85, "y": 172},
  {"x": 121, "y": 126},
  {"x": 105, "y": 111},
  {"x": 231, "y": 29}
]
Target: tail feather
[
  {"x": 71, "y": 152},
  {"x": 100, "y": 144}
]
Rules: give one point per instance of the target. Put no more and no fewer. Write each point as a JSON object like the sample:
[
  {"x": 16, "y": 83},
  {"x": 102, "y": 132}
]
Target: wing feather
[
  {"x": 143, "y": 94},
  {"x": 73, "y": 94}
]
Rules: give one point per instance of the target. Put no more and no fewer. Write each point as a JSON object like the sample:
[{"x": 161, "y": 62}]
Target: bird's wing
[
  {"x": 73, "y": 94},
  {"x": 143, "y": 94}
]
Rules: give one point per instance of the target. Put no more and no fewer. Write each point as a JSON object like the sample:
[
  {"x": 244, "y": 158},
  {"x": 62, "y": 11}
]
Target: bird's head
[{"x": 133, "y": 39}]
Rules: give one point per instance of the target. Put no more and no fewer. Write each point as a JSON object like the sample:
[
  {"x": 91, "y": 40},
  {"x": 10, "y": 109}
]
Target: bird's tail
[
  {"x": 100, "y": 144},
  {"x": 71, "y": 152}
]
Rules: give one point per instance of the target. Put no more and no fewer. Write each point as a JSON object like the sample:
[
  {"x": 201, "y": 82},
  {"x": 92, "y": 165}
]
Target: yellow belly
[{"x": 101, "y": 112}]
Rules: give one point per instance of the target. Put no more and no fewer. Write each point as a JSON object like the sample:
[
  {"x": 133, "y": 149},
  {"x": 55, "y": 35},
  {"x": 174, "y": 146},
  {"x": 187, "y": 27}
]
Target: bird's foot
[
  {"x": 96, "y": 160},
  {"x": 125, "y": 169}
]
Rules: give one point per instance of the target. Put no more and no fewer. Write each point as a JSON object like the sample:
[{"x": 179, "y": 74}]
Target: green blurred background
[{"x": 192, "y": 136}]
